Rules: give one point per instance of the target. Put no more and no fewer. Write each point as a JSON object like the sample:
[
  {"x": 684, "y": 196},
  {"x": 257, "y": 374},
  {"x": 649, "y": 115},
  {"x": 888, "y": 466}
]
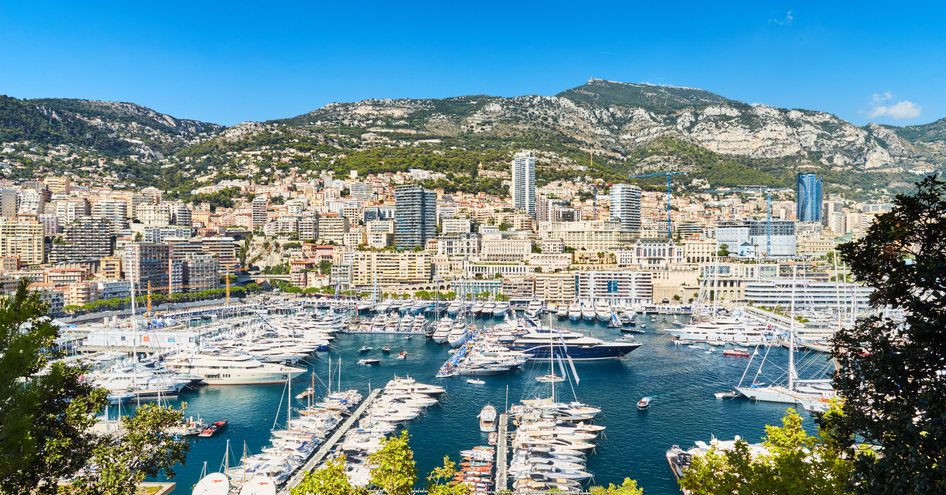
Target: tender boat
[
  {"x": 369, "y": 362},
  {"x": 402, "y": 355},
  {"x": 475, "y": 381},
  {"x": 386, "y": 350},
  {"x": 213, "y": 429},
  {"x": 365, "y": 348},
  {"x": 550, "y": 378},
  {"x": 643, "y": 404}
]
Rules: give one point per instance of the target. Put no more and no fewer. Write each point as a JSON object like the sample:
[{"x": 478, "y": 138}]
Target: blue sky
[{"x": 230, "y": 61}]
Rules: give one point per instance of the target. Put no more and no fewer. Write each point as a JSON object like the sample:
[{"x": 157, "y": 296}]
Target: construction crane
[
  {"x": 768, "y": 198},
  {"x": 669, "y": 176}
]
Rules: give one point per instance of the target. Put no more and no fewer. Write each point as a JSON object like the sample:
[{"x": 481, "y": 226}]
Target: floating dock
[
  {"x": 323, "y": 450},
  {"x": 502, "y": 447}
]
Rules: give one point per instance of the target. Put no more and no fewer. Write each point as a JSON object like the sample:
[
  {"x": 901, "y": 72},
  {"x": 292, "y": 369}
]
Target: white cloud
[
  {"x": 882, "y": 105},
  {"x": 785, "y": 21}
]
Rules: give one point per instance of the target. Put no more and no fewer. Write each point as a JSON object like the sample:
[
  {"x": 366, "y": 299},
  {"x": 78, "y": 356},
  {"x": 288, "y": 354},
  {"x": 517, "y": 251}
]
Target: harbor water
[{"x": 680, "y": 380}]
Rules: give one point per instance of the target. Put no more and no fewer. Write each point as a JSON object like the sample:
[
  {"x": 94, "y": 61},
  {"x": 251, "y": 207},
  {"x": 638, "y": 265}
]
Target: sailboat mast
[{"x": 791, "y": 333}]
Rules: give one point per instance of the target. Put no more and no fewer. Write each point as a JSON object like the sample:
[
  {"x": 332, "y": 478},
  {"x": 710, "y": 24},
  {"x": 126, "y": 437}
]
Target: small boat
[
  {"x": 488, "y": 418},
  {"x": 475, "y": 381},
  {"x": 369, "y": 362},
  {"x": 732, "y": 394},
  {"x": 365, "y": 348},
  {"x": 386, "y": 350},
  {"x": 550, "y": 378},
  {"x": 308, "y": 392},
  {"x": 408, "y": 337},
  {"x": 213, "y": 429},
  {"x": 736, "y": 352},
  {"x": 492, "y": 438},
  {"x": 402, "y": 355},
  {"x": 643, "y": 404}
]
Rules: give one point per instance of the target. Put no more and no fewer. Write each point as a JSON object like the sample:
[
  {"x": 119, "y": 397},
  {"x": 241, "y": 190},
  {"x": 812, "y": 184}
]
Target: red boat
[
  {"x": 735, "y": 352},
  {"x": 213, "y": 429}
]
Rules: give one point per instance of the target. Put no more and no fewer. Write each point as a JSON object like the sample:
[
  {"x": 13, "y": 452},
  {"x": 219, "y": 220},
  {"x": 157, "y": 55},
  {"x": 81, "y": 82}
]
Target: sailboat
[
  {"x": 796, "y": 390},
  {"x": 551, "y": 377}
]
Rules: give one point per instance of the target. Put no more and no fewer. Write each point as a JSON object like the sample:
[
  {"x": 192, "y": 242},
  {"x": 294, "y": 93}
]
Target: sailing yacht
[{"x": 796, "y": 390}]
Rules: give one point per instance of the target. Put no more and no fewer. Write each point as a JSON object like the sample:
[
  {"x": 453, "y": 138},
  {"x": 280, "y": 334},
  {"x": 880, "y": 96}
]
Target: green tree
[
  {"x": 330, "y": 479},
  {"x": 395, "y": 471},
  {"x": 628, "y": 487},
  {"x": 723, "y": 250},
  {"x": 144, "y": 449},
  {"x": 44, "y": 418},
  {"x": 794, "y": 462},
  {"x": 440, "y": 480},
  {"x": 891, "y": 368}
]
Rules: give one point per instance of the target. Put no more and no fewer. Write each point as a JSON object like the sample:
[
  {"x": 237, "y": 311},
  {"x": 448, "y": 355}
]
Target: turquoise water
[{"x": 680, "y": 380}]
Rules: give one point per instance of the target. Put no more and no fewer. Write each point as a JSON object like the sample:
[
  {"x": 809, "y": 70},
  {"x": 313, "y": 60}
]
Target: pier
[
  {"x": 502, "y": 446},
  {"x": 329, "y": 444}
]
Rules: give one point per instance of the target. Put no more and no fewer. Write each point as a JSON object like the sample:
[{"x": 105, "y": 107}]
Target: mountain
[
  {"x": 107, "y": 128},
  {"x": 623, "y": 127}
]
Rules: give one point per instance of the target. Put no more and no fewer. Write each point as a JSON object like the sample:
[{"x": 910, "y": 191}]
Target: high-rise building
[
  {"x": 415, "y": 217},
  {"x": 148, "y": 262},
  {"x": 201, "y": 272},
  {"x": 8, "y": 203},
  {"x": 22, "y": 239},
  {"x": 85, "y": 239},
  {"x": 808, "y": 197},
  {"x": 114, "y": 210},
  {"x": 626, "y": 206},
  {"x": 523, "y": 182},
  {"x": 260, "y": 205}
]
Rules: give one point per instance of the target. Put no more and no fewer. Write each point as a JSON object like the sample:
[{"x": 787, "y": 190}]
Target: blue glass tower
[{"x": 808, "y": 198}]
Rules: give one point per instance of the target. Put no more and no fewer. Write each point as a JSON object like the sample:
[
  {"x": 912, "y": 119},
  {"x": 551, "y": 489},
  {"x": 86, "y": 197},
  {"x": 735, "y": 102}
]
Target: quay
[
  {"x": 329, "y": 444},
  {"x": 502, "y": 446}
]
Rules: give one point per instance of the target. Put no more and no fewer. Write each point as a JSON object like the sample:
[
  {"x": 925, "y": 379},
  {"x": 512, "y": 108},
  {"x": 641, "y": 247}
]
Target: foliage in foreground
[
  {"x": 330, "y": 479},
  {"x": 145, "y": 449},
  {"x": 47, "y": 411},
  {"x": 395, "y": 471},
  {"x": 795, "y": 463},
  {"x": 892, "y": 370},
  {"x": 44, "y": 418}
]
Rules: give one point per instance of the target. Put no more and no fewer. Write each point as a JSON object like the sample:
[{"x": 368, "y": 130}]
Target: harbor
[{"x": 682, "y": 411}]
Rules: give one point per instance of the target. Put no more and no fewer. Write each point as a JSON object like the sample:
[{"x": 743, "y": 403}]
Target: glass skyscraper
[
  {"x": 415, "y": 216},
  {"x": 626, "y": 206},
  {"x": 808, "y": 198}
]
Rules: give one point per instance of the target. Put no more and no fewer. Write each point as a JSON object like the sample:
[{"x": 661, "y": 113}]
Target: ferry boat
[
  {"x": 488, "y": 419},
  {"x": 538, "y": 344}
]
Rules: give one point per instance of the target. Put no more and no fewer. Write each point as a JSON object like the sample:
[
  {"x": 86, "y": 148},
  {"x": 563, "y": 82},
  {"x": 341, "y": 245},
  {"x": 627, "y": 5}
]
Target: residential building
[
  {"x": 260, "y": 208},
  {"x": 523, "y": 182},
  {"x": 808, "y": 197},
  {"x": 22, "y": 238},
  {"x": 389, "y": 268},
  {"x": 415, "y": 217},
  {"x": 146, "y": 263},
  {"x": 614, "y": 286},
  {"x": 626, "y": 207}
]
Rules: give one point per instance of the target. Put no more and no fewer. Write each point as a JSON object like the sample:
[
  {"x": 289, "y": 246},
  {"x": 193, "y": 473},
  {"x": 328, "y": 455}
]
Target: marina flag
[{"x": 571, "y": 364}]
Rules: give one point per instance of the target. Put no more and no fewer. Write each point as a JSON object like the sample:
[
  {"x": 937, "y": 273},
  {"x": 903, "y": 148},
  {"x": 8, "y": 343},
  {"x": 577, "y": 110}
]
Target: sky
[{"x": 228, "y": 62}]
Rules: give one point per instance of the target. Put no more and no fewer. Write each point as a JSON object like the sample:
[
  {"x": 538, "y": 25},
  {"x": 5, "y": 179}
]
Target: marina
[{"x": 494, "y": 369}]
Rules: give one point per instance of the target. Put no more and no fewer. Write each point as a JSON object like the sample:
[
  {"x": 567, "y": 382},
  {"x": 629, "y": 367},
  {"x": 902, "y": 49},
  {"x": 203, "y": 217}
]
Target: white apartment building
[
  {"x": 614, "y": 286},
  {"x": 523, "y": 182},
  {"x": 809, "y": 294}
]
